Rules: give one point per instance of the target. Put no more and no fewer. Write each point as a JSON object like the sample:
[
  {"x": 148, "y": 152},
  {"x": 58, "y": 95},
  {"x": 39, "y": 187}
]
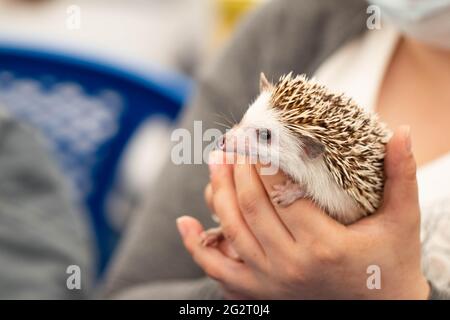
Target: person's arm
[{"x": 41, "y": 232}]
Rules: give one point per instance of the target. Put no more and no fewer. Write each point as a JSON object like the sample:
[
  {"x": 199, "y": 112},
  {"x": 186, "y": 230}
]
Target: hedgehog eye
[{"x": 264, "y": 134}]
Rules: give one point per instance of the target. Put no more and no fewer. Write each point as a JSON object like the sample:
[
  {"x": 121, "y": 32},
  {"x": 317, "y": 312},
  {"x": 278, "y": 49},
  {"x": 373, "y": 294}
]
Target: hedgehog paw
[
  {"x": 212, "y": 237},
  {"x": 284, "y": 195}
]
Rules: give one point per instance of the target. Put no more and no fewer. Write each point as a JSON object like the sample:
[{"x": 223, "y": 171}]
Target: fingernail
[
  {"x": 215, "y": 218},
  {"x": 408, "y": 143},
  {"x": 181, "y": 226}
]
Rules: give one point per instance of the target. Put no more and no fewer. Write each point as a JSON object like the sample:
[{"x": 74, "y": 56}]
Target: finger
[
  {"x": 227, "y": 249},
  {"x": 400, "y": 191},
  {"x": 226, "y": 206},
  {"x": 303, "y": 216},
  {"x": 209, "y": 197},
  {"x": 210, "y": 259},
  {"x": 208, "y": 194},
  {"x": 230, "y": 294},
  {"x": 258, "y": 210}
]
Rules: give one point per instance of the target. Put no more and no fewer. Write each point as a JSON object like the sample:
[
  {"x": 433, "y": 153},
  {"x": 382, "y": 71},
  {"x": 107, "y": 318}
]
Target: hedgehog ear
[
  {"x": 264, "y": 84},
  {"x": 312, "y": 147}
]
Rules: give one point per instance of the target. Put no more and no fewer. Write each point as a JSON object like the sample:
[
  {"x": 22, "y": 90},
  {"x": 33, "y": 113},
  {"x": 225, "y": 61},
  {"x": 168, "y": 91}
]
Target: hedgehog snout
[
  {"x": 221, "y": 143},
  {"x": 233, "y": 141},
  {"x": 226, "y": 142}
]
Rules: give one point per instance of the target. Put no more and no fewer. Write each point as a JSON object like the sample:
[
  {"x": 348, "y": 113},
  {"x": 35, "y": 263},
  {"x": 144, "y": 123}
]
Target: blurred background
[{"x": 103, "y": 81}]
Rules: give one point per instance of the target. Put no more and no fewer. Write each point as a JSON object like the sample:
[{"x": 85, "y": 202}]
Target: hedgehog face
[
  {"x": 263, "y": 134},
  {"x": 257, "y": 134}
]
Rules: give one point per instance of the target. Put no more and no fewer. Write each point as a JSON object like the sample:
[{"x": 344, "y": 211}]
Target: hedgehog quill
[{"x": 331, "y": 149}]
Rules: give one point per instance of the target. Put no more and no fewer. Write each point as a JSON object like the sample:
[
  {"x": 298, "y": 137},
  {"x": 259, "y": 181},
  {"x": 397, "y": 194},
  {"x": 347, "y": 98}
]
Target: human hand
[
  {"x": 224, "y": 246},
  {"x": 300, "y": 252}
]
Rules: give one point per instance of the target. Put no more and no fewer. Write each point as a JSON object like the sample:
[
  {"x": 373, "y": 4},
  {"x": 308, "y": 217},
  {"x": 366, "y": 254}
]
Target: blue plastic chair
[{"x": 88, "y": 110}]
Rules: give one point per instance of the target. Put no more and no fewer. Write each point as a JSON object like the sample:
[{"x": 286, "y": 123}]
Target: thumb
[
  {"x": 190, "y": 230},
  {"x": 400, "y": 190}
]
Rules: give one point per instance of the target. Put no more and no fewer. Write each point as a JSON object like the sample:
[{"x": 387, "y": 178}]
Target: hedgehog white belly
[{"x": 314, "y": 178}]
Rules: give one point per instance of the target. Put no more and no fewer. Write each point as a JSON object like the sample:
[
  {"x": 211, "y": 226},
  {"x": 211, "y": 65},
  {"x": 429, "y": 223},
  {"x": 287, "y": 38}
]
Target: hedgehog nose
[{"x": 221, "y": 143}]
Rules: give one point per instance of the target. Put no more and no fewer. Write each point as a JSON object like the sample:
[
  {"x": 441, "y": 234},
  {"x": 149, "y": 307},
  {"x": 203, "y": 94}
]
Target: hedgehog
[{"x": 331, "y": 150}]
